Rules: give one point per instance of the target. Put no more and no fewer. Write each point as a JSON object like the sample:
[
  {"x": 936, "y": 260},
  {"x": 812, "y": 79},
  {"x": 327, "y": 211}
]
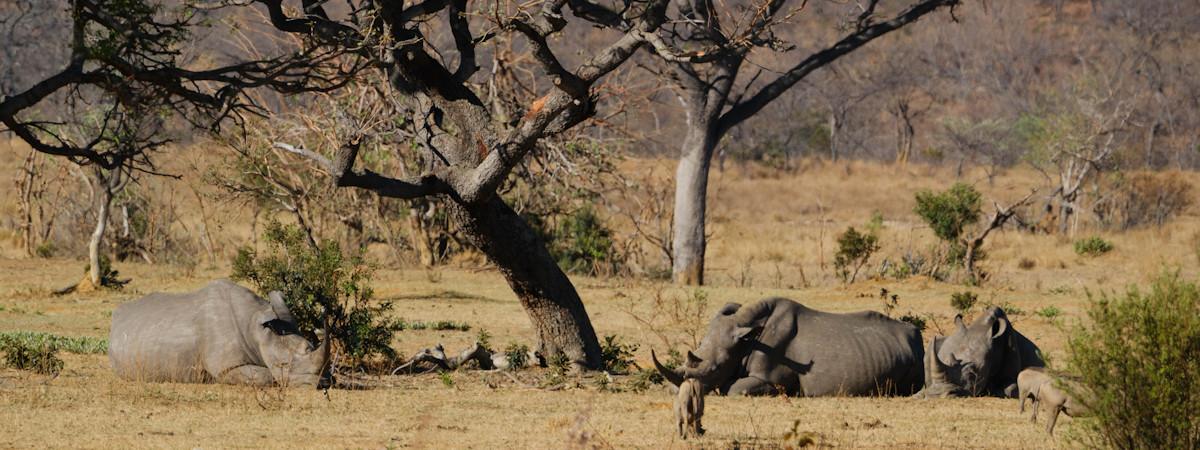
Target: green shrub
[
  {"x": 1048, "y": 312},
  {"x": 963, "y": 301},
  {"x": 439, "y": 325},
  {"x": 517, "y": 356},
  {"x": 45, "y": 250},
  {"x": 1092, "y": 246},
  {"x": 583, "y": 243},
  {"x": 915, "y": 320},
  {"x": 617, "y": 357},
  {"x": 854, "y": 250},
  {"x": 39, "y": 356},
  {"x": 484, "y": 339},
  {"x": 320, "y": 280},
  {"x": 82, "y": 345},
  {"x": 1139, "y": 353},
  {"x": 949, "y": 213}
]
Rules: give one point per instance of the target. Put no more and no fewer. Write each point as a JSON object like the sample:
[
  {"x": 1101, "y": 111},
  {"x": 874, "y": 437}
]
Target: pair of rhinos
[
  {"x": 772, "y": 346},
  {"x": 778, "y": 346}
]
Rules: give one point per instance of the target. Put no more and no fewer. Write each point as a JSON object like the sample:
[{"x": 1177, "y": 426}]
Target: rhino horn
[
  {"x": 674, "y": 377},
  {"x": 1000, "y": 326},
  {"x": 280, "y": 308},
  {"x": 937, "y": 368}
]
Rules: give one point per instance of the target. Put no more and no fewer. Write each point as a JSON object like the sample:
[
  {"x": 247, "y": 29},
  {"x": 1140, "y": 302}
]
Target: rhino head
[
  {"x": 976, "y": 351},
  {"x": 723, "y": 347},
  {"x": 288, "y": 354}
]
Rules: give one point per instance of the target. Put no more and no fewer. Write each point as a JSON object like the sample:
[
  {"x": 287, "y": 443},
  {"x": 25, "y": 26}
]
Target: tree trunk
[
  {"x": 972, "y": 247},
  {"x": 904, "y": 132},
  {"x": 105, "y": 187},
  {"x": 553, "y": 305},
  {"x": 835, "y": 125},
  {"x": 691, "y": 193},
  {"x": 25, "y": 202}
]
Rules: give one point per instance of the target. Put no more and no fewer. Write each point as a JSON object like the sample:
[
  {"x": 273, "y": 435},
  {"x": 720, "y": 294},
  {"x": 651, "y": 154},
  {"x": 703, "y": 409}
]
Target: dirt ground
[{"x": 781, "y": 243}]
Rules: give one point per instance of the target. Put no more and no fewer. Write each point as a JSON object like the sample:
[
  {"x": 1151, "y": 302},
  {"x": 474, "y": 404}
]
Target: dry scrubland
[{"x": 767, "y": 227}]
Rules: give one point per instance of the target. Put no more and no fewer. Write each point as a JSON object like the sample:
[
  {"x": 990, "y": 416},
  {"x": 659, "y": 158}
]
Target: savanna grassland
[{"x": 773, "y": 234}]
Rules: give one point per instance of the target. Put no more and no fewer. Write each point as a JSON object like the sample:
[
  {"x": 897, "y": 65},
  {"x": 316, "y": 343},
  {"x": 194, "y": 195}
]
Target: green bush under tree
[{"x": 949, "y": 213}]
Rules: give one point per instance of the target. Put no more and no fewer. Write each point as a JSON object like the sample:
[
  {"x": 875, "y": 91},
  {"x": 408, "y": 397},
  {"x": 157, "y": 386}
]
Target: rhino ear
[
  {"x": 279, "y": 307},
  {"x": 730, "y": 308},
  {"x": 279, "y": 327},
  {"x": 742, "y": 333},
  {"x": 693, "y": 361},
  {"x": 958, "y": 321}
]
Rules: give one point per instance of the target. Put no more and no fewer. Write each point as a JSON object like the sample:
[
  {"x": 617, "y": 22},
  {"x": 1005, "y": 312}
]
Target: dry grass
[{"x": 766, "y": 226}]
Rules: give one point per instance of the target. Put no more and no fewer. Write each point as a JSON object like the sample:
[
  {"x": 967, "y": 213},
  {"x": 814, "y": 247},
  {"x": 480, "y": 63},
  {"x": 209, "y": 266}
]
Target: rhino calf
[
  {"x": 222, "y": 333},
  {"x": 689, "y": 408},
  {"x": 1059, "y": 401},
  {"x": 1028, "y": 382}
]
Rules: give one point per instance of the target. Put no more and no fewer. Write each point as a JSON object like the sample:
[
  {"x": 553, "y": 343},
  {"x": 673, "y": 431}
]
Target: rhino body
[
  {"x": 983, "y": 358},
  {"x": 779, "y": 346},
  {"x": 221, "y": 333}
]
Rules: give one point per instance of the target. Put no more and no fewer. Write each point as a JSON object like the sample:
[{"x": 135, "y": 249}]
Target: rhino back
[
  {"x": 845, "y": 354},
  {"x": 155, "y": 338}
]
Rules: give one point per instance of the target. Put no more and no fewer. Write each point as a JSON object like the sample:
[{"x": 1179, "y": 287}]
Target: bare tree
[
  {"x": 1075, "y": 144},
  {"x": 705, "y": 59},
  {"x": 972, "y": 243}
]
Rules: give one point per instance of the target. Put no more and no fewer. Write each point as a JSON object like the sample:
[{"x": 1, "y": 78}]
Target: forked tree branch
[
  {"x": 751, "y": 106},
  {"x": 341, "y": 168}
]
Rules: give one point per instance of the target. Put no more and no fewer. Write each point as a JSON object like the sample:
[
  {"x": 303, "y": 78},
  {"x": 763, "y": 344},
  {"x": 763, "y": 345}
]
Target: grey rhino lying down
[
  {"x": 222, "y": 333},
  {"x": 983, "y": 358},
  {"x": 777, "y": 345}
]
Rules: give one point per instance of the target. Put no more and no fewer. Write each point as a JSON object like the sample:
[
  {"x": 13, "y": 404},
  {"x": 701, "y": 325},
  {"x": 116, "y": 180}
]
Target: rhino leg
[
  {"x": 1036, "y": 404},
  {"x": 248, "y": 375},
  {"x": 751, "y": 386}
]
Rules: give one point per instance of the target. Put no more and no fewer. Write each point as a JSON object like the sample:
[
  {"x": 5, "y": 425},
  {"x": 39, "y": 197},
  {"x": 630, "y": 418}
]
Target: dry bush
[
  {"x": 644, "y": 202},
  {"x": 1143, "y": 198},
  {"x": 677, "y": 317}
]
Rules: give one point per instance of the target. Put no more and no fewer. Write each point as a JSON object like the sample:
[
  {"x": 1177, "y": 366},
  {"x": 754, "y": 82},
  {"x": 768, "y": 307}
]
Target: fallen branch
[{"x": 437, "y": 357}]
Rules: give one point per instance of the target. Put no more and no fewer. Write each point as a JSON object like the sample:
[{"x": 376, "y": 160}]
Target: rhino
[
  {"x": 221, "y": 333},
  {"x": 780, "y": 346},
  {"x": 983, "y": 358}
]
